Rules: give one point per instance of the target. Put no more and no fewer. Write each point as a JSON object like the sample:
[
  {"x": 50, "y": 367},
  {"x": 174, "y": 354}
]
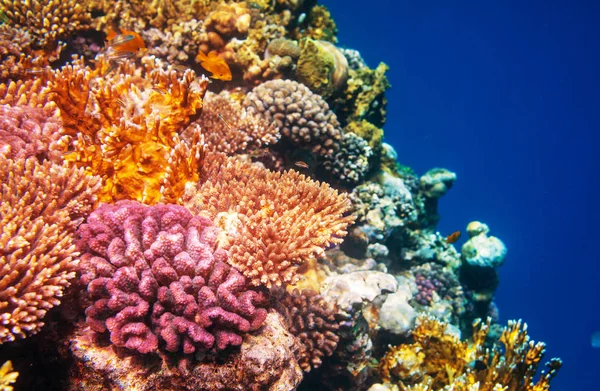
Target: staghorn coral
[
  {"x": 7, "y": 376},
  {"x": 154, "y": 279},
  {"x": 272, "y": 221},
  {"x": 27, "y": 131},
  {"x": 228, "y": 127},
  {"x": 40, "y": 208},
  {"x": 311, "y": 319},
  {"x": 124, "y": 125},
  {"x": 302, "y": 117},
  {"x": 47, "y": 21},
  {"x": 438, "y": 360}
]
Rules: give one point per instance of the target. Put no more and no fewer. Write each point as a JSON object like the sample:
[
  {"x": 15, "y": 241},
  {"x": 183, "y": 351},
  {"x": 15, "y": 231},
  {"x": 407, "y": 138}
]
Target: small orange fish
[
  {"x": 215, "y": 65},
  {"x": 301, "y": 164},
  {"x": 125, "y": 42},
  {"x": 453, "y": 237}
]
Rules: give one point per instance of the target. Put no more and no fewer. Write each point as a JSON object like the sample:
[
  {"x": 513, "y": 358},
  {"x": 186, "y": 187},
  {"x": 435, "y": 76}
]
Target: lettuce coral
[
  {"x": 124, "y": 125},
  {"x": 40, "y": 208}
]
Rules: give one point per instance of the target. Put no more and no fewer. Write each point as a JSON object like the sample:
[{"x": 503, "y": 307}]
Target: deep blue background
[{"x": 506, "y": 94}]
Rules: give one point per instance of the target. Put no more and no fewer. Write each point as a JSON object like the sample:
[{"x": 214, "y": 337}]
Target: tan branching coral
[
  {"x": 272, "y": 222},
  {"x": 7, "y": 376},
  {"x": 47, "y": 20},
  {"x": 228, "y": 127},
  {"x": 438, "y": 360},
  {"x": 41, "y": 205},
  {"x": 124, "y": 125},
  {"x": 311, "y": 319}
]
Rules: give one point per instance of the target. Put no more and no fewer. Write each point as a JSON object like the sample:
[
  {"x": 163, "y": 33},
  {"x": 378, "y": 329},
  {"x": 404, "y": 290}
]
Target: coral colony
[{"x": 196, "y": 195}]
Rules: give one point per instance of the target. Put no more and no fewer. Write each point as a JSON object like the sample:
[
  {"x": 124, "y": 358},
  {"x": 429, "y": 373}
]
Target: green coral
[
  {"x": 316, "y": 67},
  {"x": 321, "y": 25},
  {"x": 364, "y": 96}
]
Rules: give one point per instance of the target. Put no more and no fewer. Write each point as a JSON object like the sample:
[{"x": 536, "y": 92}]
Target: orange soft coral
[
  {"x": 438, "y": 360},
  {"x": 272, "y": 221},
  {"x": 124, "y": 125}
]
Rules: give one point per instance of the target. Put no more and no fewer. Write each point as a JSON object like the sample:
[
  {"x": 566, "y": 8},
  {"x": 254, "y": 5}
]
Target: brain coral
[
  {"x": 154, "y": 279},
  {"x": 40, "y": 208},
  {"x": 302, "y": 116}
]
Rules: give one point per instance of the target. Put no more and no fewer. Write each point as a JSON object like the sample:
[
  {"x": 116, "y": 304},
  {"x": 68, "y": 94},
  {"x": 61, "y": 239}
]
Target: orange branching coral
[
  {"x": 32, "y": 93},
  {"x": 228, "y": 127},
  {"x": 438, "y": 360},
  {"x": 124, "y": 125},
  {"x": 7, "y": 376},
  {"x": 47, "y": 20},
  {"x": 41, "y": 205},
  {"x": 272, "y": 221}
]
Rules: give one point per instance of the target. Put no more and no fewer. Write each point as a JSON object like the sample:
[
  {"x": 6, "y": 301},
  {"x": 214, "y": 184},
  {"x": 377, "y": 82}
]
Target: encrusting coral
[
  {"x": 272, "y": 221},
  {"x": 154, "y": 279},
  {"x": 124, "y": 125},
  {"x": 439, "y": 360},
  {"x": 311, "y": 319},
  {"x": 7, "y": 376},
  {"x": 40, "y": 208}
]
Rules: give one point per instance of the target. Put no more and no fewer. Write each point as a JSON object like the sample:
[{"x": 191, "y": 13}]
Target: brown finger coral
[
  {"x": 272, "y": 221},
  {"x": 124, "y": 125},
  {"x": 311, "y": 320},
  {"x": 438, "y": 360},
  {"x": 40, "y": 208}
]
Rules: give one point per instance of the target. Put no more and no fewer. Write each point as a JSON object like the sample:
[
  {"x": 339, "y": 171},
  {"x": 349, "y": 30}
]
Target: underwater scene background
[
  {"x": 505, "y": 94},
  {"x": 299, "y": 195}
]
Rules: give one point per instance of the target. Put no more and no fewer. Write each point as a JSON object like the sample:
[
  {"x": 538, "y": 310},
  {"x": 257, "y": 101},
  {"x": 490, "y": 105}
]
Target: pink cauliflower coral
[{"x": 155, "y": 280}]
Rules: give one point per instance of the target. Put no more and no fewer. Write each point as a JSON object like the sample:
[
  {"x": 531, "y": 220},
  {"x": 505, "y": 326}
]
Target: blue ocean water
[{"x": 507, "y": 95}]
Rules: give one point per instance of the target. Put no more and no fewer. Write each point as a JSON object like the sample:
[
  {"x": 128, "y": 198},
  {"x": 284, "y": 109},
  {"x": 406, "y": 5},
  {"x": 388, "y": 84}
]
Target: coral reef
[
  {"x": 265, "y": 361},
  {"x": 273, "y": 221},
  {"x": 302, "y": 117},
  {"x": 153, "y": 279},
  {"x": 230, "y": 128},
  {"x": 310, "y": 318},
  {"x": 436, "y": 182},
  {"x": 439, "y": 360},
  {"x": 41, "y": 206},
  {"x": 124, "y": 126},
  {"x": 7, "y": 376},
  {"x": 322, "y": 67},
  {"x": 29, "y": 132},
  {"x": 350, "y": 163}
]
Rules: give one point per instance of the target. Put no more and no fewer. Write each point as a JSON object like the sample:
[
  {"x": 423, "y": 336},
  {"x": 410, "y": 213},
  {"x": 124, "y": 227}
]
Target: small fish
[
  {"x": 225, "y": 122},
  {"x": 4, "y": 18},
  {"x": 301, "y": 164},
  {"x": 115, "y": 56},
  {"x": 215, "y": 65},
  {"x": 126, "y": 41},
  {"x": 453, "y": 237},
  {"x": 596, "y": 339}
]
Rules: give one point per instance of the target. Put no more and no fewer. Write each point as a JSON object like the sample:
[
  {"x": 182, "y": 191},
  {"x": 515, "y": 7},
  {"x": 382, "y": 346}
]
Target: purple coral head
[{"x": 155, "y": 280}]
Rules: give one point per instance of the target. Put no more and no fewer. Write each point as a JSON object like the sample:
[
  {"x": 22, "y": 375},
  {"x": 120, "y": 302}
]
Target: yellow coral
[
  {"x": 124, "y": 125},
  {"x": 7, "y": 376},
  {"x": 438, "y": 360}
]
